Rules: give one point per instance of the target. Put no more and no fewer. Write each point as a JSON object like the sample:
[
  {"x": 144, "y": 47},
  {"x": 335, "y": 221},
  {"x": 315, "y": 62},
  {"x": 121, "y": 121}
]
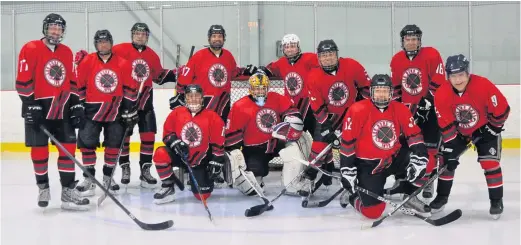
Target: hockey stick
[
  {"x": 259, "y": 193},
  {"x": 203, "y": 200},
  {"x": 144, "y": 226},
  {"x": 259, "y": 209},
  {"x": 191, "y": 52},
  {"x": 323, "y": 203},
  {"x": 415, "y": 193}
]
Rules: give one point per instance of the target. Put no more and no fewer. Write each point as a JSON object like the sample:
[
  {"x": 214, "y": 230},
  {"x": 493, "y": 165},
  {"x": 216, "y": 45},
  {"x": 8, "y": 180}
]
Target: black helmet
[
  {"x": 139, "y": 27},
  {"x": 411, "y": 30},
  {"x": 193, "y": 88},
  {"x": 53, "y": 19},
  {"x": 328, "y": 46},
  {"x": 216, "y": 29},
  {"x": 103, "y": 35},
  {"x": 379, "y": 81},
  {"x": 456, "y": 63}
]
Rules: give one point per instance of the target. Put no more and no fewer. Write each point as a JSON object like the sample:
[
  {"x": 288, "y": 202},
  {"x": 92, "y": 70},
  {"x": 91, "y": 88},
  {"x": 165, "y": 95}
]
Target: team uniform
[
  {"x": 294, "y": 71},
  {"x": 416, "y": 76},
  {"x": 480, "y": 111},
  {"x": 195, "y": 136},
  {"x": 249, "y": 141},
  {"x": 44, "y": 83},
  {"x": 331, "y": 93},
  {"x": 371, "y": 150},
  {"x": 145, "y": 67},
  {"x": 107, "y": 93}
]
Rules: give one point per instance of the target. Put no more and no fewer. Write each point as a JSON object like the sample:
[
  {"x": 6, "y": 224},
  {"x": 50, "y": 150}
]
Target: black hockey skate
[
  {"x": 165, "y": 195},
  {"x": 125, "y": 173},
  {"x": 44, "y": 195},
  {"x": 71, "y": 200},
  {"x": 427, "y": 191},
  {"x": 496, "y": 208},
  {"x": 147, "y": 180},
  {"x": 438, "y": 203},
  {"x": 415, "y": 204},
  {"x": 110, "y": 185}
]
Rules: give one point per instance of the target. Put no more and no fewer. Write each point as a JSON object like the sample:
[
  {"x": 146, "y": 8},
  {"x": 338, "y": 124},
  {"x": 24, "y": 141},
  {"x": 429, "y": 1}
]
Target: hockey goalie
[{"x": 261, "y": 126}]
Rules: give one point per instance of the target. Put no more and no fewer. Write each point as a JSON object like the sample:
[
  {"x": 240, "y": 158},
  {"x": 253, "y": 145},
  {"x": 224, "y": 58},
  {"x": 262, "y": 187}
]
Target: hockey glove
[
  {"x": 451, "y": 150},
  {"x": 489, "y": 132},
  {"x": 249, "y": 70},
  {"x": 167, "y": 76},
  {"x": 416, "y": 167},
  {"x": 178, "y": 100},
  {"x": 422, "y": 114},
  {"x": 33, "y": 114},
  {"x": 265, "y": 70},
  {"x": 130, "y": 118},
  {"x": 176, "y": 145},
  {"x": 77, "y": 116},
  {"x": 214, "y": 169},
  {"x": 79, "y": 56},
  {"x": 327, "y": 133},
  {"x": 349, "y": 179}
]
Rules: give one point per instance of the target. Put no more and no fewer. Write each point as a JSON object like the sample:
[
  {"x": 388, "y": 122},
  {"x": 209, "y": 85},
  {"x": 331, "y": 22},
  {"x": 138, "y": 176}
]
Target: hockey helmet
[
  {"x": 139, "y": 27},
  {"x": 259, "y": 85},
  {"x": 103, "y": 35},
  {"x": 287, "y": 40},
  {"x": 381, "y": 90},
  {"x": 327, "y": 47},
  {"x": 194, "y": 97},
  {"x": 53, "y": 20},
  {"x": 216, "y": 29},
  {"x": 456, "y": 64},
  {"x": 411, "y": 30}
]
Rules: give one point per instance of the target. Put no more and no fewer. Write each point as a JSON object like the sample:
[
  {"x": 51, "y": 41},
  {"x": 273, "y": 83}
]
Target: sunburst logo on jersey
[
  {"x": 466, "y": 116},
  {"x": 54, "y": 72},
  {"x": 106, "y": 81},
  {"x": 266, "y": 119},
  {"x": 338, "y": 94},
  {"x": 293, "y": 83},
  {"x": 140, "y": 70},
  {"x": 218, "y": 75},
  {"x": 411, "y": 81},
  {"x": 192, "y": 134},
  {"x": 384, "y": 134}
]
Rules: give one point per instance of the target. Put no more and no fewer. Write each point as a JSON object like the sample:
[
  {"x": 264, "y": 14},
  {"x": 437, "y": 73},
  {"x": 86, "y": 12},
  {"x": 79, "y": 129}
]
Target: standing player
[
  {"x": 108, "y": 94},
  {"x": 332, "y": 88},
  {"x": 472, "y": 107},
  {"x": 249, "y": 136},
  {"x": 371, "y": 149},
  {"x": 145, "y": 67},
  {"x": 44, "y": 83},
  {"x": 196, "y": 135},
  {"x": 294, "y": 68},
  {"x": 213, "y": 69},
  {"x": 417, "y": 72}
]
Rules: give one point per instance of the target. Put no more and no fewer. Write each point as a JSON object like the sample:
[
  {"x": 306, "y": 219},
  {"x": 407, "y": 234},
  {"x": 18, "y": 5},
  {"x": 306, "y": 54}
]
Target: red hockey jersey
[
  {"x": 370, "y": 134},
  {"x": 331, "y": 95},
  {"x": 213, "y": 73},
  {"x": 295, "y": 76},
  {"x": 251, "y": 125},
  {"x": 414, "y": 79},
  {"x": 481, "y": 103},
  {"x": 145, "y": 67},
  {"x": 202, "y": 132},
  {"x": 45, "y": 77},
  {"x": 103, "y": 86}
]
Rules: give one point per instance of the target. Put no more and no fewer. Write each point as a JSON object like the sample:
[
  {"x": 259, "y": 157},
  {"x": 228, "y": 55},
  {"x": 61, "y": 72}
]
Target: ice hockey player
[
  {"x": 193, "y": 134},
  {"x": 213, "y": 69},
  {"x": 417, "y": 72},
  {"x": 44, "y": 83},
  {"x": 294, "y": 68},
  {"x": 108, "y": 94},
  {"x": 371, "y": 149},
  {"x": 253, "y": 122},
  {"x": 470, "y": 107},
  {"x": 145, "y": 67},
  {"x": 332, "y": 88}
]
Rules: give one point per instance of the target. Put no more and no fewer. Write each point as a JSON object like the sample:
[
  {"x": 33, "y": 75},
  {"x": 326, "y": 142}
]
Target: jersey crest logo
[
  {"x": 218, "y": 75},
  {"x": 192, "y": 134},
  {"x": 140, "y": 70},
  {"x": 294, "y": 83},
  {"x": 466, "y": 116},
  {"x": 338, "y": 94},
  {"x": 54, "y": 72},
  {"x": 384, "y": 134},
  {"x": 265, "y": 120},
  {"x": 411, "y": 81},
  {"x": 106, "y": 81}
]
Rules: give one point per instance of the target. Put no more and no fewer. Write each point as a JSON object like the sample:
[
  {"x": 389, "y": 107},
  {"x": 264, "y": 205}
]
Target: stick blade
[
  {"x": 453, "y": 216},
  {"x": 254, "y": 211},
  {"x": 155, "y": 227}
]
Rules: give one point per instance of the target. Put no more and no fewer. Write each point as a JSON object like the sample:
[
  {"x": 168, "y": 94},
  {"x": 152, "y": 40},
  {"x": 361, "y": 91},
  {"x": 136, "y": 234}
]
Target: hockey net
[{"x": 240, "y": 89}]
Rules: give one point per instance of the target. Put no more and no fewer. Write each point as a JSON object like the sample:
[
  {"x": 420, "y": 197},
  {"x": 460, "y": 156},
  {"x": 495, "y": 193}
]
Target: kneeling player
[
  {"x": 371, "y": 149},
  {"x": 193, "y": 134},
  {"x": 470, "y": 107},
  {"x": 250, "y": 125}
]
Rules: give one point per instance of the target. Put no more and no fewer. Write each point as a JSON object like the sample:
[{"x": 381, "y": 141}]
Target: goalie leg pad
[
  {"x": 236, "y": 161},
  {"x": 242, "y": 183},
  {"x": 292, "y": 167}
]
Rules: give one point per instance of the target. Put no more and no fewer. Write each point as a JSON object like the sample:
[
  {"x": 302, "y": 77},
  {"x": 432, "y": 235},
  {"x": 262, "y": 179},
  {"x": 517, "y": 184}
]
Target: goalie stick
[
  {"x": 145, "y": 226},
  {"x": 264, "y": 199},
  {"x": 259, "y": 209}
]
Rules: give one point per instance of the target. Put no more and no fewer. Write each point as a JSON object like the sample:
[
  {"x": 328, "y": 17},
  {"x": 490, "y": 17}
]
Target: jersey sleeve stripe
[{"x": 499, "y": 120}]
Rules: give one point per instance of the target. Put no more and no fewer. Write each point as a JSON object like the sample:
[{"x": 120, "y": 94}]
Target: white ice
[{"x": 24, "y": 223}]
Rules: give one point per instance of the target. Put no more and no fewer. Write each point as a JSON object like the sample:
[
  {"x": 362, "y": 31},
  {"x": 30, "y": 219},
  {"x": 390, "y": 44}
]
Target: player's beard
[{"x": 216, "y": 45}]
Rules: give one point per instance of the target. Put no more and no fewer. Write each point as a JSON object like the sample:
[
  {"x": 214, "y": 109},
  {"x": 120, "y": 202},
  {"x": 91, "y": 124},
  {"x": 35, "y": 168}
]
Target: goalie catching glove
[{"x": 289, "y": 130}]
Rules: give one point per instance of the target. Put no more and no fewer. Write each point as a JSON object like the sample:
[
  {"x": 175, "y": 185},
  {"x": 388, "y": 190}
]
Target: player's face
[
  {"x": 328, "y": 58},
  {"x": 217, "y": 40},
  {"x": 290, "y": 49},
  {"x": 139, "y": 37},
  {"x": 103, "y": 46},
  {"x": 459, "y": 80},
  {"x": 194, "y": 101},
  {"x": 411, "y": 43},
  {"x": 55, "y": 31},
  {"x": 381, "y": 94},
  {"x": 259, "y": 91}
]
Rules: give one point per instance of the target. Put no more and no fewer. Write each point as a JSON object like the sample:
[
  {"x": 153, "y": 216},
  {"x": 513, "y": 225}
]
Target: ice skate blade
[
  {"x": 496, "y": 216},
  {"x": 433, "y": 210},
  {"x": 165, "y": 200},
  {"x": 73, "y": 207},
  {"x": 89, "y": 193},
  {"x": 147, "y": 185}
]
